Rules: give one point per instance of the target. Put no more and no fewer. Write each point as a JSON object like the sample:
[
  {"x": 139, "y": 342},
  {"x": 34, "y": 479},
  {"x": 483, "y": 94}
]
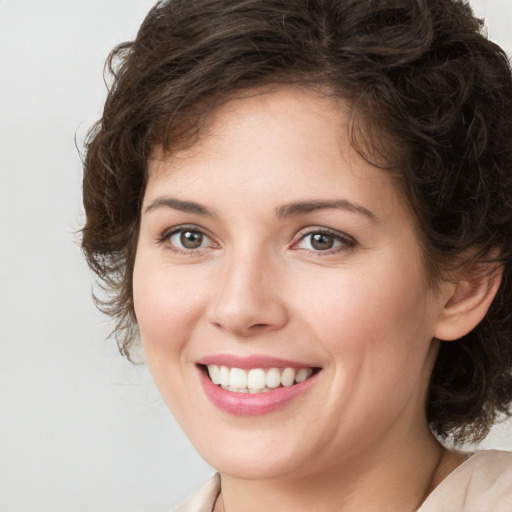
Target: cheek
[
  {"x": 166, "y": 306},
  {"x": 166, "y": 309},
  {"x": 379, "y": 319},
  {"x": 379, "y": 341}
]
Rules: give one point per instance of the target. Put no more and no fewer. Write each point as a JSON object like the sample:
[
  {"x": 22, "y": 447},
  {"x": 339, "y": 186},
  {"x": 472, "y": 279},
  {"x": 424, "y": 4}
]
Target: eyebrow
[
  {"x": 287, "y": 210},
  {"x": 178, "y": 204},
  {"x": 303, "y": 207}
]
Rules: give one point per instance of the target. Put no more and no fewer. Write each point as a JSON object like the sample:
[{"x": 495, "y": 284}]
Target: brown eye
[
  {"x": 322, "y": 241},
  {"x": 191, "y": 239},
  {"x": 188, "y": 239}
]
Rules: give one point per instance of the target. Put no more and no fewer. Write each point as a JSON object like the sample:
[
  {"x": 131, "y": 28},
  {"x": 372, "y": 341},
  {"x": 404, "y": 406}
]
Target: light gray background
[{"x": 80, "y": 428}]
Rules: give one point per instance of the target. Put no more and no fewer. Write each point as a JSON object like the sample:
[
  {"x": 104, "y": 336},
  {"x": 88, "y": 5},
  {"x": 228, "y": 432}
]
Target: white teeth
[
  {"x": 288, "y": 377},
  {"x": 224, "y": 375},
  {"x": 256, "y": 380},
  {"x": 303, "y": 374},
  {"x": 214, "y": 372},
  {"x": 234, "y": 389},
  {"x": 238, "y": 378},
  {"x": 273, "y": 378}
]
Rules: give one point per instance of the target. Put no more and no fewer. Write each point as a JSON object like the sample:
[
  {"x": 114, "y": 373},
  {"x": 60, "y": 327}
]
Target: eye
[
  {"x": 187, "y": 239},
  {"x": 323, "y": 241}
]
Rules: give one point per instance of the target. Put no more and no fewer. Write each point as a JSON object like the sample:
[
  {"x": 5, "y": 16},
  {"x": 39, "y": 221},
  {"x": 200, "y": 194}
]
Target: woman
[{"x": 303, "y": 209}]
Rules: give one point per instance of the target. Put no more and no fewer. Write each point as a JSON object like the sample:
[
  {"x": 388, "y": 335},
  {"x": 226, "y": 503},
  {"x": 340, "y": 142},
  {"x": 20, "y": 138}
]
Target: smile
[
  {"x": 249, "y": 386},
  {"x": 256, "y": 380}
]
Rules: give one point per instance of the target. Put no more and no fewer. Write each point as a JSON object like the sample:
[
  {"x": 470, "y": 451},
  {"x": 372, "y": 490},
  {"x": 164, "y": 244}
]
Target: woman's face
[{"x": 270, "y": 244}]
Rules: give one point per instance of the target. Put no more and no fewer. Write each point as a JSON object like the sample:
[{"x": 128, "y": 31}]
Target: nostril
[{"x": 246, "y": 316}]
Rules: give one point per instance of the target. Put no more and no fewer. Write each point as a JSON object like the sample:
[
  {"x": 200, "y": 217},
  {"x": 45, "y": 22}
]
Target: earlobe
[{"x": 468, "y": 302}]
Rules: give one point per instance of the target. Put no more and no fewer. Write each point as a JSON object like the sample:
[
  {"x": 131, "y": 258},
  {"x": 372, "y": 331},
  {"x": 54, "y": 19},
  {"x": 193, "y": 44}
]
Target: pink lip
[
  {"x": 245, "y": 404},
  {"x": 248, "y": 362}
]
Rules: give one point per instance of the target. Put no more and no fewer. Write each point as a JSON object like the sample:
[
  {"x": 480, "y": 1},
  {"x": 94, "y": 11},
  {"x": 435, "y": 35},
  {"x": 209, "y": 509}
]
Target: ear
[{"x": 468, "y": 301}]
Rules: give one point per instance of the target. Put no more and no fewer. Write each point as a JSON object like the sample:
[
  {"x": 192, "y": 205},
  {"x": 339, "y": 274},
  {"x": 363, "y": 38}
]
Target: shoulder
[
  {"x": 482, "y": 482},
  {"x": 203, "y": 500}
]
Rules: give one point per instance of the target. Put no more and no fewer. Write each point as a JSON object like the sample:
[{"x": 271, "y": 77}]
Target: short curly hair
[{"x": 431, "y": 99}]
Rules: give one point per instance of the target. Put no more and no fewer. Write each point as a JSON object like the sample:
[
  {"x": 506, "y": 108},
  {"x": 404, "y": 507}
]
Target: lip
[
  {"x": 245, "y": 404},
  {"x": 248, "y": 362}
]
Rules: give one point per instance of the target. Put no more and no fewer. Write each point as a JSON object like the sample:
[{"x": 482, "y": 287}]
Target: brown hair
[{"x": 420, "y": 76}]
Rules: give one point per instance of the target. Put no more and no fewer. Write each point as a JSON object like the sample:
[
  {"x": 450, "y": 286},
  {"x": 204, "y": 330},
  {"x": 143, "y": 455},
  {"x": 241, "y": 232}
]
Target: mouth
[
  {"x": 256, "y": 384},
  {"x": 256, "y": 380}
]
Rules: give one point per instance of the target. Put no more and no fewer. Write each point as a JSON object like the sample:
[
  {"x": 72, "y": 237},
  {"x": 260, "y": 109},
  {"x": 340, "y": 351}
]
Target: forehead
[
  {"x": 286, "y": 140},
  {"x": 271, "y": 102}
]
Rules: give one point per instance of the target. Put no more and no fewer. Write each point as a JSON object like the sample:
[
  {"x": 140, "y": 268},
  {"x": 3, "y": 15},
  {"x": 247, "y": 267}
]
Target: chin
[
  {"x": 258, "y": 468},
  {"x": 254, "y": 461}
]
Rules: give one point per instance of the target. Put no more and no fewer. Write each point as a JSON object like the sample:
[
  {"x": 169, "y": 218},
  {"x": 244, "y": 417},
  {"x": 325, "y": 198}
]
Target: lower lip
[{"x": 245, "y": 404}]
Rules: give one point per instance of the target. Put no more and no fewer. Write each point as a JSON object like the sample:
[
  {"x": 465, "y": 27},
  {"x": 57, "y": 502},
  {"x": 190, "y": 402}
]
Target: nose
[{"x": 248, "y": 299}]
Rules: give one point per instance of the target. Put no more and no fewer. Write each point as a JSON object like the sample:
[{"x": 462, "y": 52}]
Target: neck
[{"x": 397, "y": 477}]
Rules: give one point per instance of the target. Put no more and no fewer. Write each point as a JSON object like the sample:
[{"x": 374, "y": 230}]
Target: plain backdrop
[{"x": 80, "y": 428}]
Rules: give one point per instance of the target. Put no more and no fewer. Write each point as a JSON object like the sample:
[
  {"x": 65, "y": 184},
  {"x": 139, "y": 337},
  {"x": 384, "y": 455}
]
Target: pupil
[
  {"x": 191, "y": 239},
  {"x": 322, "y": 241}
]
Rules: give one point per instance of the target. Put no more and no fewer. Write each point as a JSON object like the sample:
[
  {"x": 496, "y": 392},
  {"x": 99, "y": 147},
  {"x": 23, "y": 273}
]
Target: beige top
[{"x": 483, "y": 483}]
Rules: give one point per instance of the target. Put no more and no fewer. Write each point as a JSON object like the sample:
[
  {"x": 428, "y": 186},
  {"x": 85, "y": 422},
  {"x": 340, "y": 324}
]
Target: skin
[{"x": 363, "y": 311}]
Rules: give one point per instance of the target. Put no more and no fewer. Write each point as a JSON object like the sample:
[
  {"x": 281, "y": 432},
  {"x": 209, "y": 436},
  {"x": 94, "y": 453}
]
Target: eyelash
[
  {"x": 166, "y": 238},
  {"x": 344, "y": 242}
]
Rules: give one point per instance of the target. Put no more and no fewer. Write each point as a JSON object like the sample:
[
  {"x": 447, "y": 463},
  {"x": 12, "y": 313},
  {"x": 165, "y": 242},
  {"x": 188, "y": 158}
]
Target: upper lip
[{"x": 252, "y": 361}]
